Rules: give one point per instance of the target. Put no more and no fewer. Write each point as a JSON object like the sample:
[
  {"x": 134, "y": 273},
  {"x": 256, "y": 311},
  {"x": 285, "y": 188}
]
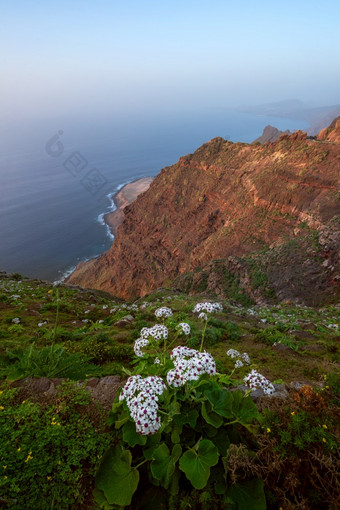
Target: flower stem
[{"x": 203, "y": 334}]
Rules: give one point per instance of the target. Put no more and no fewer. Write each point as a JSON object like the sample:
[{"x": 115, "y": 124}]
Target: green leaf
[
  {"x": 116, "y": 478},
  {"x": 174, "y": 408},
  {"x": 131, "y": 436},
  {"x": 187, "y": 416},
  {"x": 221, "y": 401},
  {"x": 174, "y": 482},
  {"x": 244, "y": 408},
  {"x": 249, "y": 494},
  {"x": 196, "y": 465},
  {"x": 163, "y": 465},
  {"x": 222, "y": 441},
  {"x": 101, "y": 500},
  {"x": 210, "y": 416},
  {"x": 123, "y": 418},
  {"x": 175, "y": 435}
]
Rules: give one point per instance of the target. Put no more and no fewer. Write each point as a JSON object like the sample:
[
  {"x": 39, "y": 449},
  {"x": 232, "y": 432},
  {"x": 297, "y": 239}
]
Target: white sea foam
[
  {"x": 112, "y": 207},
  {"x": 64, "y": 275}
]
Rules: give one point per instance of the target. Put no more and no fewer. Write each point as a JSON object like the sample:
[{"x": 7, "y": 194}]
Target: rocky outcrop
[
  {"x": 267, "y": 206},
  {"x": 271, "y": 134}
]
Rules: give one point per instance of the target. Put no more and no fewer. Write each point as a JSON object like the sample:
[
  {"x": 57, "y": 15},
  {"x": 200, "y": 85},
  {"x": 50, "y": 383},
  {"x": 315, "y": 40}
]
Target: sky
[{"x": 123, "y": 56}]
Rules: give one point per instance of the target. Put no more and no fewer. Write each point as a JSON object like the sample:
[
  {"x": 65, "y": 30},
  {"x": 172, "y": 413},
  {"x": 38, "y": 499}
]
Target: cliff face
[
  {"x": 271, "y": 134},
  {"x": 237, "y": 203}
]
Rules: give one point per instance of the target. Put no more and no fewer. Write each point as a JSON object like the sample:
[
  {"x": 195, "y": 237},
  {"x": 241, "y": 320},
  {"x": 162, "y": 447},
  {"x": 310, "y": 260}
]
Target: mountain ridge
[{"x": 233, "y": 200}]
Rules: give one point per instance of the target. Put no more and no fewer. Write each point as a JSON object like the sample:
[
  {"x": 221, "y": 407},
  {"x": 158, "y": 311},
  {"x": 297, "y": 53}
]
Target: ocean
[{"x": 57, "y": 176}]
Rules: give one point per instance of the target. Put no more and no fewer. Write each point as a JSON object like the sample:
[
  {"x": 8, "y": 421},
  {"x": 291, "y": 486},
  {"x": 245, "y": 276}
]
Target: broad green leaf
[
  {"x": 224, "y": 379},
  {"x": 174, "y": 482},
  {"x": 244, "y": 408},
  {"x": 221, "y": 401},
  {"x": 123, "y": 418},
  {"x": 196, "y": 464},
  {"x": 187, "y": 416},
  {"x": 131, "y": 436},
  {"x": 176, "y": 452},
  {"x": 116, "y": 478},
  {"x": 175, "y": 435},
  {"x": 222, "y": 441},
  {"x": 101, "y": 500},
  {"x": 210, "y": 416},
  {"x": 163, "y": 464},
  {"x": 246, "y": 495},
  {"x": 174, "y": 408},
  {"x": 148, "y": 452}
]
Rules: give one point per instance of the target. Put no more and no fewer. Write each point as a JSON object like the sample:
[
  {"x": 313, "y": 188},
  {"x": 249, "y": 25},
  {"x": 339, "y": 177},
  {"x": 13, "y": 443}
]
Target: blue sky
[{"x": 128, "y": 55}]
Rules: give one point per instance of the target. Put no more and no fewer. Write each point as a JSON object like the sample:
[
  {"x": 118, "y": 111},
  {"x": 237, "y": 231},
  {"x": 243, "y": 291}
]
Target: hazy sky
[{"x": 127, "y": 55}]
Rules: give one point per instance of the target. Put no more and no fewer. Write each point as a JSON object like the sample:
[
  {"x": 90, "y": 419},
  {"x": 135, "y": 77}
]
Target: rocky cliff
[
  {"x": 271, "y": 134},
  {"x": 260, "y": 221}
]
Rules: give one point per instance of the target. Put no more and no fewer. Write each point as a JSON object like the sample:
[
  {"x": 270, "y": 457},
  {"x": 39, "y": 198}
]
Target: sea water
[{"x": 57, "y": 177}]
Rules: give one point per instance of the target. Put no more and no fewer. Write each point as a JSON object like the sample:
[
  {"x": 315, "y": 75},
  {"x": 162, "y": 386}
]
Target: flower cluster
[
  {"x": 256, "y": 380},
  {"x": 163, "y": 312},
  {"x": 189, "y": 365},
  {"x": 241, "y": 358},
  {"x": 141, "y": 397},
  {"x": 139, "y": 343},
  {"x": 157, "y": 332},
  {"x": 184, "y": 328},
  {"x": 208, "y": 307}
]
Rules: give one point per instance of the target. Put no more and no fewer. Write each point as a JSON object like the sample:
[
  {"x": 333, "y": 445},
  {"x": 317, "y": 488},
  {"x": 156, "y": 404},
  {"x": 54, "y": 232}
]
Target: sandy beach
[{"x": 124, "y": 197}]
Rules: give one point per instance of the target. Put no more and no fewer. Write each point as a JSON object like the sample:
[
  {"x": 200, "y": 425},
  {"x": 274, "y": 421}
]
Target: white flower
[
  {"x": 104, "y": 307},
  {"x": 16, "y": 320},
  {"x": 244, "y": 357},
  {"x": 141, "y": 396},
  {"x": 255, "y": 380},
  {"x": 208, "y": 307},
  {"x": 203, "y": 316},
  {"x": 139, "y": 343},
  {"x": 184, "y": 327},
  {"x": 189, "y": 365},
  {"x": 163, "y": 312},
  {"x": 158, "y": 332},
  {"x": 233, "y": 353}
]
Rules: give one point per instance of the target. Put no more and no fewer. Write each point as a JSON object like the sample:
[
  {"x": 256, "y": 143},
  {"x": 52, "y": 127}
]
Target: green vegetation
[
  {"x": 50, "y": 451},
  {"x": 199, "y": 459}
]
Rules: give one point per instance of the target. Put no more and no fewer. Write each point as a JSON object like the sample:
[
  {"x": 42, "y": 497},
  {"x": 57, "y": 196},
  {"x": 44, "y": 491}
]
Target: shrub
[
  {"x": 172, "y": 441},
  {"x": 48, "y": 454}
]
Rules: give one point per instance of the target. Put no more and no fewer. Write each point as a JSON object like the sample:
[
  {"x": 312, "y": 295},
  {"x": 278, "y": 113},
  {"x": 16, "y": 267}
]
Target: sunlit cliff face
[{"x": 226, "y": 201}]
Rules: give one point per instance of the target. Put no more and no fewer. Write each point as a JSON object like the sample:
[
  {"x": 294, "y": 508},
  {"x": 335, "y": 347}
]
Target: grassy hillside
[{"x": 58, "y": 438}]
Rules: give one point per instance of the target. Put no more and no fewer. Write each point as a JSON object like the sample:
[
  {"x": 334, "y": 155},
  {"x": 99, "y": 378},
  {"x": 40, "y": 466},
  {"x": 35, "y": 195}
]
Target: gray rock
[{"x": 124, "y": 321}]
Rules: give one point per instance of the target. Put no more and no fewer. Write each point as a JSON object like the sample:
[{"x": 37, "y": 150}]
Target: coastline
[{"x": 125, "y": 196}]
